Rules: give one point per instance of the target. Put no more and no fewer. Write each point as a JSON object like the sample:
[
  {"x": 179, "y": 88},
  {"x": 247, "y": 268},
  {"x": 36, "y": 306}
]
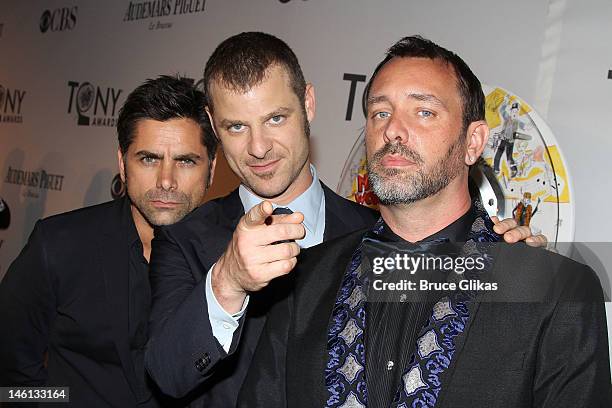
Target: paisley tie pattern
[{"x": 436, "y": 344}]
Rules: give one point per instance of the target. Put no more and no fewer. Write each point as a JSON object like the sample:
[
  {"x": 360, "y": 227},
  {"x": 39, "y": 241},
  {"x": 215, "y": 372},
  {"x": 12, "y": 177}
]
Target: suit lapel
[
  {"x": 318, "y": 282},
  {"x": 113, "y": 259},
  {"x": 334, "y": 218},
  {"x": 447, "y": 375},
  {"x": 214, "y": 230},
  {"x": 473, "y": 307},
  {"x": 232, "y": 208}
]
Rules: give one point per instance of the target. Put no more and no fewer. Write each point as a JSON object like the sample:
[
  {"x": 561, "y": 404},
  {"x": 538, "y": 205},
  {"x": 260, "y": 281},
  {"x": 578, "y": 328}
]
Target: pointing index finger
[{"x": 258, "y": 214}]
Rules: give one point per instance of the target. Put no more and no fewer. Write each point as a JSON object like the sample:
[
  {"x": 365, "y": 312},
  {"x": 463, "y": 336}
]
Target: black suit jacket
[
  {"x": 183, "y": 356},
  {"x": 515, "y": 354},
  {"x": 66, "y": 295}
]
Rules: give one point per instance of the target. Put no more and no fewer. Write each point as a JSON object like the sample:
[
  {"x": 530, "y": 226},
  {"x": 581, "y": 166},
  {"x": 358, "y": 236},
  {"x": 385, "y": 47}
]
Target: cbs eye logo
[
  {"x": 60, "y": 19},
  {"x": 117, "y": 188}
]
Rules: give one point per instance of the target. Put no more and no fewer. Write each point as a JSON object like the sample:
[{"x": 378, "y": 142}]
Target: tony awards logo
[
  {"x": 11, "y": 101},
  {"x": 94, "y": 106}
]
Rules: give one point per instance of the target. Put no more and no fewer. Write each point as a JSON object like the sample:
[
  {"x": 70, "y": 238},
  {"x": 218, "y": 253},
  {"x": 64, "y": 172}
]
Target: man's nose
[
  {"x": 166, "y": 178},
  {"x": 396, "y": 130},
  {"x": 260, "y": 143}
]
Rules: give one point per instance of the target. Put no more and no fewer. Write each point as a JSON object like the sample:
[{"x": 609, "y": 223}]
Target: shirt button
[
  {"x": 226, "y": 326},
  {"x": 390, "y": 365}
]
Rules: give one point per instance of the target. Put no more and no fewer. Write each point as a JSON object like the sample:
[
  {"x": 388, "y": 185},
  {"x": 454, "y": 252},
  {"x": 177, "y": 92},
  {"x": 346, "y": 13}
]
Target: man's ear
[
  {"x": 121, "y": 165},
  {"x": 476, "y": 140},
  {"x": 309, "y": 102}
]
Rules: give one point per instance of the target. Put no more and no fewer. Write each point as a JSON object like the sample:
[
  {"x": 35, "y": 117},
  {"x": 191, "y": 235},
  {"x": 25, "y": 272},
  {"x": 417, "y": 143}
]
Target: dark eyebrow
[
  {"x": 413, "y": 95},
  {"x": 280, "y": 111},
  {"x": 187, "y": 156},
  {"x": 158, "y": 156},
  {"x": 146, "y": 153},
  {"x": 230, "y": 122},
  {"x": 427, "y": 98},
  {"x": 376, "y": 99}
]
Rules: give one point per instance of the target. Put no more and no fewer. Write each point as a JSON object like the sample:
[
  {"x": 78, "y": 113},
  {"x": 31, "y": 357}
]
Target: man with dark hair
[
  {"x": 260, "y": 107},
  {"x": 522, "y": 327},
  {"x": 242, "y": 61},
  {"x": 74, "y": 305}
]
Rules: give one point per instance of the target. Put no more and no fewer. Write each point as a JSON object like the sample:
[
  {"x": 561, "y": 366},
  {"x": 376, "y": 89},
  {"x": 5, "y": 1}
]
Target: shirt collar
[
  {"x": 308, "y": 203},
  {"x": 457, "y": 231}
]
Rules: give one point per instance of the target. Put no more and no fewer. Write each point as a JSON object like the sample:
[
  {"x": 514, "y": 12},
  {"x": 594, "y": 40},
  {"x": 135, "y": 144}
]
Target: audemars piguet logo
[
  {"x": 39, "y": 179},
  {"x": 159, "y": 9}
]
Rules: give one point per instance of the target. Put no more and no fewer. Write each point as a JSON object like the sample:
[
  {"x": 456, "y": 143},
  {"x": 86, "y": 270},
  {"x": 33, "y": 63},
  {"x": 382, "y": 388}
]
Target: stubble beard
[
  {"x": 395, "y": 186},
  {"x": 158, "y": 217}
]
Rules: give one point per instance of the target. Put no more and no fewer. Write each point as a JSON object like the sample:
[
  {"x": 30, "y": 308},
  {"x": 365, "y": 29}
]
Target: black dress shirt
[
  {"x": 139, "y": 304},
  {"x": 392, "y": 327}
]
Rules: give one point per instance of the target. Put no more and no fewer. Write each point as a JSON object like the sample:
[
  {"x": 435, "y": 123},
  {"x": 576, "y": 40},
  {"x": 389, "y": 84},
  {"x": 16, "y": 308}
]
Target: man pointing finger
[{"x": 254, "y": 256}]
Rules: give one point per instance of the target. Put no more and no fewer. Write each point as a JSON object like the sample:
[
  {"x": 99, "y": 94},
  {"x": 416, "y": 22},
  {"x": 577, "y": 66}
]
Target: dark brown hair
[
  {"x": 241, "y": 61},
  {"x": 162, "y": 99},
  {"x": 468, "y": 84}
]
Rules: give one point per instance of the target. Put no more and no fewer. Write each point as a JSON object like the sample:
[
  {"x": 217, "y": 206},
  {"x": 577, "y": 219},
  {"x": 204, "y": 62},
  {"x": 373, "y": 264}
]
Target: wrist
[{"x": 228, "y": 293}]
